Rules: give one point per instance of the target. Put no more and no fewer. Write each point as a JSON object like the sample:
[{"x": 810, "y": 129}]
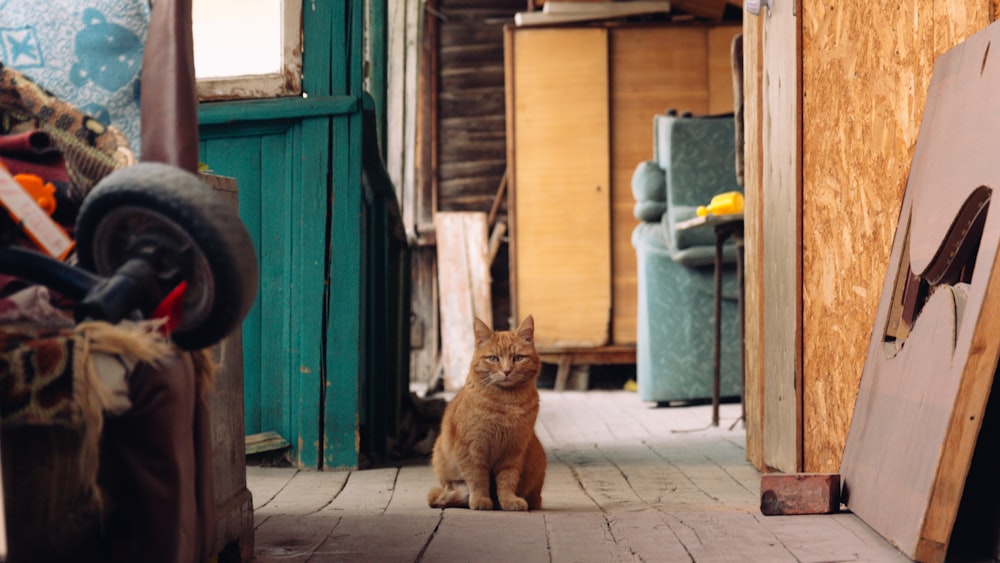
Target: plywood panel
[
  {"x": 753, "y": 240},
  {"x": 561, "y": 184},
  {"x": 841, "y": 283},
  {"x": 652, "y": 69},
  {"x": 720, "y": 76},
  {"x": 782, "y": 239},
  {"x": 922, "y": 396},
  {"x": 854, "y": 171}
]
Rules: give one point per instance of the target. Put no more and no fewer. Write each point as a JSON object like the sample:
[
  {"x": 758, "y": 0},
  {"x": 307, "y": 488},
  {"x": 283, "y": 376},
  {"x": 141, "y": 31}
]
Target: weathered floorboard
[
  {"x": 304, "y": 493},
  {"x": 625, "y": 482}
]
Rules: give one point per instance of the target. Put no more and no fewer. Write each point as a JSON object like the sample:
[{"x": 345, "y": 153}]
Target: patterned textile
[
  {"x": 675, "y": 329},
  {"x": 48, "y": 374},
  {"x": 91, "y": 149},
  {"x": 36, "y": 377},
  {"x": 88, "y": 52},
  {"x": 48, "y": 378}
]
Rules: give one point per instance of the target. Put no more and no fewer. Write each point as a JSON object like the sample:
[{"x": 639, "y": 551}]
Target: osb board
[
  {"x": 720, "y": 69},
  {"x": 559, "y": 156},
  {"x": 753, "y": 396},
  {"x": 858, "y": 137},
  {"x": 922, "y": 396},
  {"x": 652, "y": 69},
  {"x": 782, "y": 239},
  {"x": 464, "y": 289}
]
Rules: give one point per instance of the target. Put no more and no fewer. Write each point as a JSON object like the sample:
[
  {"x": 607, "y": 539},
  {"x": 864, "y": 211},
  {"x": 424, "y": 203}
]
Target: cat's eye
[
  {"x": 518, "y": 357},
  {"x": 493, "y": 359}
]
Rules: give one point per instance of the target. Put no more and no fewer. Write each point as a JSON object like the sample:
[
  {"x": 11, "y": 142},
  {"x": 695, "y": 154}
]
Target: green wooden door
[{"x": 297, "y": 162}]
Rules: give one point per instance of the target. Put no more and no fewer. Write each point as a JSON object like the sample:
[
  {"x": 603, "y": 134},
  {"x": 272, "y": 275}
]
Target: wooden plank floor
[{"x": 626, "y": 482}]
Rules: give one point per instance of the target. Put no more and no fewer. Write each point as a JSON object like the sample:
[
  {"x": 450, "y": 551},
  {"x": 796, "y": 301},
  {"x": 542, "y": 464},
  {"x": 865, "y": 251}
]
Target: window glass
[
  {"x": 247, "y": 48},
  {"x": 237, "y": 37}
]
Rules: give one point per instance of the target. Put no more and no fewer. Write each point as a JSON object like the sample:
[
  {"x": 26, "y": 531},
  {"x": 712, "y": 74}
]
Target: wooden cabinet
[{"x": 580, "y": 107}]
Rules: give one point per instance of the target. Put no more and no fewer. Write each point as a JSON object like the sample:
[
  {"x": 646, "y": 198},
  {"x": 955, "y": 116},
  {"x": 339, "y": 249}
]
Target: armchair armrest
[{"x": 649, "y": 189}]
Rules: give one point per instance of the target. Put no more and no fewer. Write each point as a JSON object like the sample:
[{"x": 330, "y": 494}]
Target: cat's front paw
[
  {"x": 513, "y": 503},
  {"x": 480, "y": 503}
]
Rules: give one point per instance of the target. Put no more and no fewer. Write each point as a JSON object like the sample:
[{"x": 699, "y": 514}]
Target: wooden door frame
[{"x": 774, "y": 237}]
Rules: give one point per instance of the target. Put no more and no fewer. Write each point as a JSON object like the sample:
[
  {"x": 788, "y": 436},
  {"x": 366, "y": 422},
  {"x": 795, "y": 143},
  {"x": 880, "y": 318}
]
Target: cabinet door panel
[
  {"x": 561, "y": 185},
  {"x": 653, "y": 69}
]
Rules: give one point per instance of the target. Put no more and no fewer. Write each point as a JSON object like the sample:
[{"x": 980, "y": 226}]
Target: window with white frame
[{"x": 247, "y": 48}]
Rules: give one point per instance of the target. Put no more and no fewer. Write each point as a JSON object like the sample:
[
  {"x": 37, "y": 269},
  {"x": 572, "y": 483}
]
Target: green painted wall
[{"x": 319, "y": 227}]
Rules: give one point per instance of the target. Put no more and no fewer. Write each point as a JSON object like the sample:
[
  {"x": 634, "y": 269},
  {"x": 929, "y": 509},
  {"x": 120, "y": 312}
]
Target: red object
[
  {"x": 799, "y": 493},
  {"x": 32, "y": 152},
  {"x": 171, "y": 308}
]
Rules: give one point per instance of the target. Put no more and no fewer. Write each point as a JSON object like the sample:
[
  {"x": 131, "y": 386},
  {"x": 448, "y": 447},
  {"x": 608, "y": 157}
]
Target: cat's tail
[{"x": 440, "y": 497}]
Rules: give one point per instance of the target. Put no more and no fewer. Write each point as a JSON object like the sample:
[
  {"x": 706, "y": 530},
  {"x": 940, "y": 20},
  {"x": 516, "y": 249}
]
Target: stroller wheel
[{"x": 197, "y": 236}]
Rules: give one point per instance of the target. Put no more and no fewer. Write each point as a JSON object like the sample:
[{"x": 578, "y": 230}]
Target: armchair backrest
[{"x": 698, "y": 156}]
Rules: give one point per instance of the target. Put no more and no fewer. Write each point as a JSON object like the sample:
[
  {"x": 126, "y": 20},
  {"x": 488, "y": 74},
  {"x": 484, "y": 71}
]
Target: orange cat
[{"x": 488, "y": 442}]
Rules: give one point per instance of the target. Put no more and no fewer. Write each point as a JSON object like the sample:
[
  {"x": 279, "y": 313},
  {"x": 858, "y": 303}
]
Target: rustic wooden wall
[
  {"x": 459, "y": 154},
  {"x": 865, "y": 71},
  {"x": 471, "y": 145}
]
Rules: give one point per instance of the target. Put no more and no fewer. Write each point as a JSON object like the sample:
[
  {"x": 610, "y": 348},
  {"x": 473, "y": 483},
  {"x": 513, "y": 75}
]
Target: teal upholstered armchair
[{"x": 694, "y": 160}]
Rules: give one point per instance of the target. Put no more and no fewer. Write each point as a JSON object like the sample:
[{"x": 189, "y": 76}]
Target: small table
[{"x": 726, "y": 226}]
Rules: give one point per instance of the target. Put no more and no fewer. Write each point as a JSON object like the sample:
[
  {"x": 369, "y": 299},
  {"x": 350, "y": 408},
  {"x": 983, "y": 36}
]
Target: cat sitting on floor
[{"x": 488, "y": 452}]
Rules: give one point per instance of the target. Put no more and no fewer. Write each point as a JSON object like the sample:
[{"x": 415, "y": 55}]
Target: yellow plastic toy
[{"x": 723, "y": 204}]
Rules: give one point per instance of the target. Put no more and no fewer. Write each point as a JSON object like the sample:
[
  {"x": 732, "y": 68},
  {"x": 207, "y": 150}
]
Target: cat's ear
[
  {"x": 527, "y": 329},
  {"x": 483, "y": 332}
]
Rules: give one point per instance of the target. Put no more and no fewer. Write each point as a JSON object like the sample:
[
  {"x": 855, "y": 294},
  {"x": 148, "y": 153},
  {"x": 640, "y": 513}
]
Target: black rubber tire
[{"x": 229, "y": 274}]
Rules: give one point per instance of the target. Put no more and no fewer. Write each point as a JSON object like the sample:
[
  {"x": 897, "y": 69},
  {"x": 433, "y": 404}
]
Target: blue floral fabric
[{"x": 87, "y": 52}]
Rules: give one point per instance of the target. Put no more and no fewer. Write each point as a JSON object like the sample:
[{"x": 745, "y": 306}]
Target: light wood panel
[
  {"x": 753, "y": 395},
  {"x": 562, "y": 186},
  {"x": 464, "y": 282},
  {"x": 652, "y": 69},
  {"x": 782, "y": 239}
]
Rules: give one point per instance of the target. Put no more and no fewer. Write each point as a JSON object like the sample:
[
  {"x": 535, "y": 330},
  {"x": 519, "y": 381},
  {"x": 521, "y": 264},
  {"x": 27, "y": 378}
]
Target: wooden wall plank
[
  {"x": 563, "y": 189},
  {"x": 464, "y": 285},
  {"x": 652, "y": 69},
  {"x": 424, "y": 334},
  {"x": 753, "y": 396},
  {"x": 401, "y": 102},
  {"x": 782, "y": 238},
  {"x": 344, "y": 343},
  {"x": 470, "y": 149}
]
